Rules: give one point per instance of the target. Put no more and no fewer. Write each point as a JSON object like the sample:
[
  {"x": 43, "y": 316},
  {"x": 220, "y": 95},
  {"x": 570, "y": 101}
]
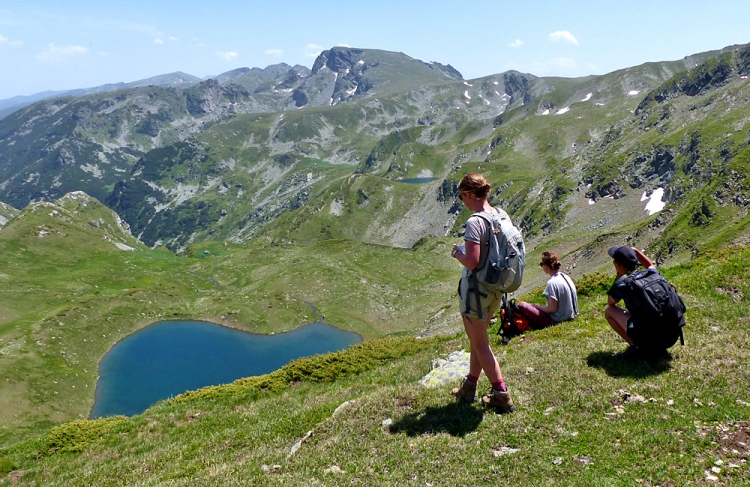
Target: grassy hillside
[
  {"x": 584, "y": 417},
  {"x": 74, "y": 284}
]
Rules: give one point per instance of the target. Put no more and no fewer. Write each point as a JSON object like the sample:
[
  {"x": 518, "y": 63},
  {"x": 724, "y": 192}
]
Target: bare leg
[
  {"x": 618, "y": 320},
  {"x": 482, "y": 357}
]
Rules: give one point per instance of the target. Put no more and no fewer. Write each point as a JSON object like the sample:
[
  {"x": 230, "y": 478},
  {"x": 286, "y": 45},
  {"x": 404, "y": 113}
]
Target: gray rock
[{"x": 447, "y": 371}]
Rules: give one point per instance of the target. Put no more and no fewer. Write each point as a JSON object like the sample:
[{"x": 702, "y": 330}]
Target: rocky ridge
[{"x": 225, "y": 157}]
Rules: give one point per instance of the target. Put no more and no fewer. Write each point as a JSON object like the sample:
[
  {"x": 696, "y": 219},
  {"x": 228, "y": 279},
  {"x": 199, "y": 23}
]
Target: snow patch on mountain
[{"x": 655, "y": 203}]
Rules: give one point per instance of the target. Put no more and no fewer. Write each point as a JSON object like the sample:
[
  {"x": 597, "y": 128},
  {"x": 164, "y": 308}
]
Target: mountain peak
[
  {"x": 338, "y": 59},
  {"x": 74, "y": 214}
]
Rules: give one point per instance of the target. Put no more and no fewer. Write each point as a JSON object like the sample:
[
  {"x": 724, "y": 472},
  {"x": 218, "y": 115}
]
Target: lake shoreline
[{"x": 263, "y": 343}]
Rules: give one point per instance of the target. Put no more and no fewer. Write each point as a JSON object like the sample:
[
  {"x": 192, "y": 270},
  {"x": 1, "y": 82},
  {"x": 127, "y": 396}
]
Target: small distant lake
[
  {"x": 416, "y": 180},
  {"x": 170, "y": 357}
]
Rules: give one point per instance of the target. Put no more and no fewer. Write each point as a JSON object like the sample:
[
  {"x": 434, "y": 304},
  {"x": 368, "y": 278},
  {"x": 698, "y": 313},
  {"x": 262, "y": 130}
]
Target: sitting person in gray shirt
[{"x": 562, "y": 298}]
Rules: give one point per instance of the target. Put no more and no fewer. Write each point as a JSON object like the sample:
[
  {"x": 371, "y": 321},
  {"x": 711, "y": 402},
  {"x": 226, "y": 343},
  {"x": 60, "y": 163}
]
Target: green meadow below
[
  {"x": 358, "y": 417},
  {"x": 69, "y": 293}
]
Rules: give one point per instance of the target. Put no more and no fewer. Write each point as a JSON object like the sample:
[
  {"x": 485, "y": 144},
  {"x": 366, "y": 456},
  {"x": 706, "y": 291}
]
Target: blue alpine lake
[{"x": 170, "y": 357}]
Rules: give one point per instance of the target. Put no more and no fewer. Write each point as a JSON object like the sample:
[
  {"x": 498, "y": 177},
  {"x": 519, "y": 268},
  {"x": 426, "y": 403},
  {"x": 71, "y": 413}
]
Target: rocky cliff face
[{"x": 301, "y": 148}]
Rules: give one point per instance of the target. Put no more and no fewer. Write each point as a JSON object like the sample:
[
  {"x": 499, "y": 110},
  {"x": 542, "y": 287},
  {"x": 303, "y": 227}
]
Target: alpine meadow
[{"x": 245, "y": 198}]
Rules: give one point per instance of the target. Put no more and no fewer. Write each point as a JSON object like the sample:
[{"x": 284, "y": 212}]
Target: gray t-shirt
[
  {"x": 562, "y": 289},
  {"x": 477, "y": 232}
]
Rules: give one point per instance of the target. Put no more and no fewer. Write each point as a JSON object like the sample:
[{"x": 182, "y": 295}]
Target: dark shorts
[
  {"x": 652, "y": 338},
  {"x": 630, "y": 329}
]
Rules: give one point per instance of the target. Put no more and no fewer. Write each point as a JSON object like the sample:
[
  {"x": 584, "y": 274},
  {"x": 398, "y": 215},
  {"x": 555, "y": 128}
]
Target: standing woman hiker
[
  {"x": 561, "y": 294},
  {"x": 473, "y": 190}
]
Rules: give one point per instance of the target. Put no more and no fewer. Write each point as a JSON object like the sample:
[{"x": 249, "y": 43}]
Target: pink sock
[
  {"x": 473, "y": 378},
  {"x": 499, "y": 386}
]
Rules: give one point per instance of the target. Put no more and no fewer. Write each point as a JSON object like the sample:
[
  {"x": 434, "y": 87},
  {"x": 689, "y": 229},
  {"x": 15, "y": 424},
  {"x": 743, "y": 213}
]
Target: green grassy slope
[
  {"x": 583, "y": 416},
  {"x": 69, "y": 293}
]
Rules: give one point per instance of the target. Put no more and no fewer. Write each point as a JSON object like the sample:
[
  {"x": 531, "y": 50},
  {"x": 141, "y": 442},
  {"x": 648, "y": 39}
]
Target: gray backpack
[{"x": 504, "y": 255}]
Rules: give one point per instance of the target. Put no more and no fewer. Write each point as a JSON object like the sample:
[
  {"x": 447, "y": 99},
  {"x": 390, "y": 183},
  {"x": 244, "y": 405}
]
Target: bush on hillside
[{"x": 319, "y": 368}]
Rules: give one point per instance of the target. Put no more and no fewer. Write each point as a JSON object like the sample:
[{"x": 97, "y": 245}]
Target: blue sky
[{"x": 53, "y": 45}]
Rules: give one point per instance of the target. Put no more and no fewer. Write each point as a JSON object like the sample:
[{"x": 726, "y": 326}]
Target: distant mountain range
[
  {"x": 171, "y": 80},
  {"x": 176, "y": 80},
  {"x": 297, "y": 154}
]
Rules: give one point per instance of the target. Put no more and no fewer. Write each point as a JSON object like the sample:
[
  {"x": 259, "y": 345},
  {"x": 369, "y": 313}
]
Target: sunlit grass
[{"x": 583, "y": 416}]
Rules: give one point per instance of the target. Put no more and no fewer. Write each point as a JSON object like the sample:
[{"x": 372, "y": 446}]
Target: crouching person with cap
[{"x": 625, "y": 260}]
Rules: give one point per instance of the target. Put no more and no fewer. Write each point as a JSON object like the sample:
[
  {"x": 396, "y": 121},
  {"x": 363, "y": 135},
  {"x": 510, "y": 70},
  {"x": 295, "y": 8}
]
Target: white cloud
[
  {"x": 160, "y": 40},
  {"x": 516, "y": 43},
  {"x": 313, "y": 50},
  {"x": 563, "y": 36},
  {"x": 4, "y": 41},
  {"x": 274, "y": 52},
  {"x": 55, "y": 53},
  {"x": 227, "y": 55}
]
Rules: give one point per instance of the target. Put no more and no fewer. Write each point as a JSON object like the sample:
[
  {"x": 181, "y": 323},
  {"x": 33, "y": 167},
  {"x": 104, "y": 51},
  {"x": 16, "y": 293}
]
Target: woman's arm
[
  {"x": 551, "y": 306},
  {"x": 470, "y": 259}
]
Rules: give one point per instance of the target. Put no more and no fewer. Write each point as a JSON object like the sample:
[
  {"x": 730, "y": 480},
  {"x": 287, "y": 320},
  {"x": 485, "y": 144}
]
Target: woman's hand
[
  {"x": 469, "y": 257},
  {"x": 456, "y": 250}
]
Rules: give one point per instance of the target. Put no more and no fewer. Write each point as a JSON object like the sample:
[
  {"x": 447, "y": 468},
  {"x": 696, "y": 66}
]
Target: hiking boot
[
  {"x": 467, "y": 391},
  {"x": 501, "y": 401}
]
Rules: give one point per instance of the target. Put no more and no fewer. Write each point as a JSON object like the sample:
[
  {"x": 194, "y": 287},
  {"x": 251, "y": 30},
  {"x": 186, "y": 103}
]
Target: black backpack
[
  {"x": 657, "y": 311},
  {"x": 512, "y": 322}
]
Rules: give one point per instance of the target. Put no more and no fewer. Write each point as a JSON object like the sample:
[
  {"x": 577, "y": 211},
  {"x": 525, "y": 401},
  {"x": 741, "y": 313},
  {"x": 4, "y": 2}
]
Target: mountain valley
[{"x": 239, "y": 198}]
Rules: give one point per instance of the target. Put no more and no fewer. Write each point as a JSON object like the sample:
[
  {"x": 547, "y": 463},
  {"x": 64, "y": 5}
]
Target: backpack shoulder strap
[
  {"x": 573, "y": 296},
  {"x": 492, "y": 219},
  {"x": 484, "y": 216},
  {"x": 491, "y": 226},
  {"x": 630, "y": 277},
  {"x": 484, "y": 252}
]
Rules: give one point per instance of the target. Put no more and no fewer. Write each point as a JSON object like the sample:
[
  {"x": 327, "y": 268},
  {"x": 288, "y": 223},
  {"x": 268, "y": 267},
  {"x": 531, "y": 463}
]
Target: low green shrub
[
  {"x": 77, "y": 435},
  {"x": 596, "y": 283},
  {"x": 319, "y": 368},
  {"x": 6, "y": 466}
]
